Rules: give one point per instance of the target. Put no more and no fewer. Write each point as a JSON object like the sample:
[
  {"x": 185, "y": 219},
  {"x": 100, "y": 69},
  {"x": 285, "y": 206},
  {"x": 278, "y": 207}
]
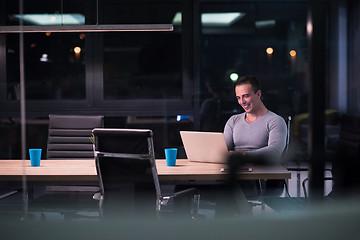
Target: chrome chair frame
[{"x": 161, "y": 200}]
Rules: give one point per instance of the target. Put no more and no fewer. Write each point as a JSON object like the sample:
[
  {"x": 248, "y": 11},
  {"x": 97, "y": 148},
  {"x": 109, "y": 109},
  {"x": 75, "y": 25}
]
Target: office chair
[
  {"x": 279, "y": 185},
  {"x": 284, "y": 156},
  {"x": 345, "y": 165},
  {"x": 273, "y": 188},
  {"x": 69, "y": 137},
  {"x": 125, "y": 162}
]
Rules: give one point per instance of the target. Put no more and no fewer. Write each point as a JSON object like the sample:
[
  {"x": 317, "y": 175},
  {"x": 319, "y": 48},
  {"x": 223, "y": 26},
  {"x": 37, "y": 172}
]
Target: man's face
[{"x": 246, "y": 97}]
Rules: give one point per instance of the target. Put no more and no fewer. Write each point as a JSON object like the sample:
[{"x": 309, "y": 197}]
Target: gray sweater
[{"x": 264, "y": 137}]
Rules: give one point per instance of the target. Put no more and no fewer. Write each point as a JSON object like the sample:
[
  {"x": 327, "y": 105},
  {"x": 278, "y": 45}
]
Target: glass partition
[{"x": 172, "y": 81}]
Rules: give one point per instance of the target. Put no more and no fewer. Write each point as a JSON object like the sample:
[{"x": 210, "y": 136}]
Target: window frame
[{"x": 94, "y": 101}]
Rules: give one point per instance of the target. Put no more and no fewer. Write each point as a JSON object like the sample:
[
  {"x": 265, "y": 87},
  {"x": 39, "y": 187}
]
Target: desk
[
  {"x": 49, "y": 170},
  {"x": 187, "y": 171},
  {"x": 85, "y": 170}
]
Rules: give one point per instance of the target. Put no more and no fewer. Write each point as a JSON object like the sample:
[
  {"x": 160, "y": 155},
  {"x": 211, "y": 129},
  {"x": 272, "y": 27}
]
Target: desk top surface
[
  {"x": 85, "y": 170},
  {"x": 49, "y": 170},
  {"x": 187, "y": 170}
]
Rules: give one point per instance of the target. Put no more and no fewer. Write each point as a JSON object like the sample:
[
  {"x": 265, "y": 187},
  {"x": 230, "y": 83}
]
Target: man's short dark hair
[{"x": 255, "y": 85}]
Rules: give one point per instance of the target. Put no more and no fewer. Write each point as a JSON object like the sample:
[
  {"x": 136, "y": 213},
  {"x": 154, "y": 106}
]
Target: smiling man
[{"x": 257, "y": 134}]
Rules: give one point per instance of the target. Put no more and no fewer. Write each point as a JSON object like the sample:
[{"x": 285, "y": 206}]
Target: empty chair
[
  {"x": 125, "y": 162},
  {"x": 69, "y": 136},
  {"x": 345, "y": 165}
]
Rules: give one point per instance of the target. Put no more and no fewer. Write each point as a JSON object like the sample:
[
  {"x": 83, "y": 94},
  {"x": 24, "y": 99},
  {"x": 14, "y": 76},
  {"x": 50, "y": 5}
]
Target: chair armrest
[
  {"x": 188, "y": 191},
  {"x": 183, "y": 193},
  {"x": 5, "y": 195}
]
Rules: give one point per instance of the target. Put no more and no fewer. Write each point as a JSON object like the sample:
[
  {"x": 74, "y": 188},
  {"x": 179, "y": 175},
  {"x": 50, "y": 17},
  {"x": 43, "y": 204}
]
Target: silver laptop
[{"x": 204, "y": 146}]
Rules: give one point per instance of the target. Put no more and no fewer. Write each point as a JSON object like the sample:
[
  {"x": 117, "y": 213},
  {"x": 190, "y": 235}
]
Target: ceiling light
[
  {"x": 292, "y": 53},
  {"x": 177, "y": 19},
  {"x": 44, "y": 58},
  {"x": 220, "y": 19},
  {"x": 269, "y": 50},
  {"x": 52, "y": 19},
  {"x": 265, "y": 23},
  {"x": 213, "y": 19}
]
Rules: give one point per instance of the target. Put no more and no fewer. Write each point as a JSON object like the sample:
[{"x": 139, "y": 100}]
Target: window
[
  {"x": 142, "y": 65},
  {"x": 54, "y": 66},
  {"x": 239, "y": 47}
]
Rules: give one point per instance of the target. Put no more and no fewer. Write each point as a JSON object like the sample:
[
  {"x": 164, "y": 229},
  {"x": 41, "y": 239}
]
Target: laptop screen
[{"x": 204, "y": 146}]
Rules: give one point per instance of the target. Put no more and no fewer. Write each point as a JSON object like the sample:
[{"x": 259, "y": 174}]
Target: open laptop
[{"x": 204, "y": 146}]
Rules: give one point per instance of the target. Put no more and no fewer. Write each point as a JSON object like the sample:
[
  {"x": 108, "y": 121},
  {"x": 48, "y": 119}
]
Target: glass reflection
[{"x": 52, "y": 69}]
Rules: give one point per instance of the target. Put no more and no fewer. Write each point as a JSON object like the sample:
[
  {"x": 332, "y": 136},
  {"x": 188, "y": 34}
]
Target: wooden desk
[
  {"x": 187, "y": 171},
  {"x": 85, "y": 170},
  {"x": 49, "y": 170}
]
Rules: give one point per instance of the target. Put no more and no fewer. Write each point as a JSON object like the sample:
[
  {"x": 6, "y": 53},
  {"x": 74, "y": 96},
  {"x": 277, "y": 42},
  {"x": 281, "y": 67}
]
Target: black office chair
[
  {"x": 125, "y": 162},
  {"x": 285, "y": 154},
  {"x": 11, "y": 204},
  {"x": 275, "y": 187},
  {"x": 346, "y": 163},
  {"x": 69, "y": 137},
  {"x": 270, "y": 187}
]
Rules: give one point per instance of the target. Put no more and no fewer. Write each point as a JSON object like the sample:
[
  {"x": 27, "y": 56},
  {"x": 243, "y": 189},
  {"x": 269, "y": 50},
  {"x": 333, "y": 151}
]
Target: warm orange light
[
  {"x": 48, "y": 33},
  {"x": 269, "y": 51},
  {"x": 292, "y": 53},
  {"x": 33, "y": 45},
  {"x": 77, "y": 50},
  {"x": 82, "y": 36}
]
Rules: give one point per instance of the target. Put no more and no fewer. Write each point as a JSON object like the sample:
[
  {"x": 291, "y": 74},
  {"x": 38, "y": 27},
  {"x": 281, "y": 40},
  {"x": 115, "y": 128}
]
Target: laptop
[{"x": 204, "y": 146}]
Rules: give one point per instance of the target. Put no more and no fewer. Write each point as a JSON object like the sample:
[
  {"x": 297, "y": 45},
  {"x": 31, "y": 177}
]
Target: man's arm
[
  {"x": 228, "y": 134},
  {"x": 276, "y": 141}
]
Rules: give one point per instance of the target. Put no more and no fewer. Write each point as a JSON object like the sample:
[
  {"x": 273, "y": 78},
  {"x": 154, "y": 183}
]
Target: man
[
  {"x": 258, "y": 134},
  {"x": 255, "y": 136}
]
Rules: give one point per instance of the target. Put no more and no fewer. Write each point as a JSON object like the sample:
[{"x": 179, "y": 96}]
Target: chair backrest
[
  {"x": 346, "y": 165},
  {"x": 69, "y": 136},
  {"x": 284, "y": 156},
  {"x": 349, "y": 139},
  {"x": 125, "y": 156},
  {"x": 216, "y": 112},
  {"x": 125, "y": 163}
]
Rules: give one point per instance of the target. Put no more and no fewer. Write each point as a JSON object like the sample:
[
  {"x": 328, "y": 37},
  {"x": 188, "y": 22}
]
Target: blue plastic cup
[
  {"x": 170, "y": 155},
  {"x": 35, "y": 156}
]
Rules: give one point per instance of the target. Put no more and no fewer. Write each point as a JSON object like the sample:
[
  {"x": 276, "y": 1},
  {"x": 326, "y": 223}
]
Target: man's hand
[{"x": 231, "y": 152}]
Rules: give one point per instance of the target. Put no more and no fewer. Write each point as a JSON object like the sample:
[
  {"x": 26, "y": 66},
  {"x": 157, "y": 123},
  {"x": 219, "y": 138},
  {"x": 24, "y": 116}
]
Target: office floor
[{"x": 276, "y": 204}]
